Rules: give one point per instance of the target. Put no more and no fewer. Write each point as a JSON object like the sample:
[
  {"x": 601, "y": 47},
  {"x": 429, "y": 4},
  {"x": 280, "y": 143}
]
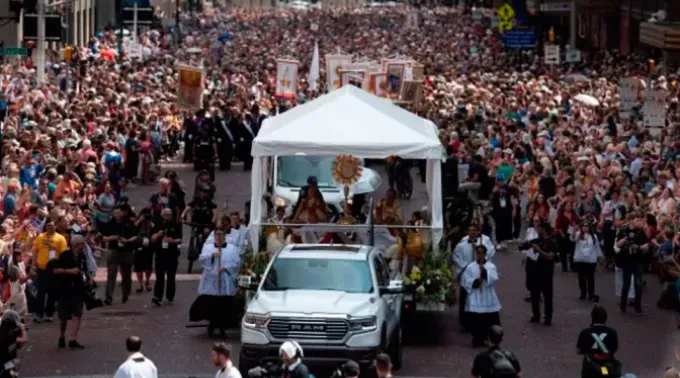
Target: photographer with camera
[
  {"x": 291, "y": 355},
  {"x": 12, "y": 337},
  {"x": 632, "y": 250}
]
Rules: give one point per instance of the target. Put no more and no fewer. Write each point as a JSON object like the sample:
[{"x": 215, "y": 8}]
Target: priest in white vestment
[
  {"x": 464, "y": 255},
  {"x": 482, "y": 306},
  {"x": 221, "y": 262}
]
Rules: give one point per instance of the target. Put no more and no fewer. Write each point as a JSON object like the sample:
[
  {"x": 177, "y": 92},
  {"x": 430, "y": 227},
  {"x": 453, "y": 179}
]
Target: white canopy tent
[{"x": 347, "y": 121}]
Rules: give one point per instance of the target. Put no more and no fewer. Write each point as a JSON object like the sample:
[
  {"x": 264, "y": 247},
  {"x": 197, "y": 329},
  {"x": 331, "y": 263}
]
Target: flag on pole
[{"x": 313, "y": 77}]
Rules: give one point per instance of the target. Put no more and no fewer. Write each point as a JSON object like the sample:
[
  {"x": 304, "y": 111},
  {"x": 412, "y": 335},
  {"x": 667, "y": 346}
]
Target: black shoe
[
  {"x": 73, "y": 344},
  {"x": 594, "y": 298},
  {"x": 582, "y": 297},
  {"x": 125, "y": 299},
  {"x": 62, "y": 343},
  {"x": 527, "y": 299},
  {"x": 140, "y": 290},
  {"x": 108, "y": 301},
  {"x": 156, "y": 301},
  {"x": 534, "y": 319},
  {"x": 547, "y": 322}
]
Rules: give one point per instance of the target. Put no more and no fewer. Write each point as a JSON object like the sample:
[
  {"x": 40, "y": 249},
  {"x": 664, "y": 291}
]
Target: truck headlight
[
  {"x": 366, "y": 324},
  {"x": 255, "y": 321}
]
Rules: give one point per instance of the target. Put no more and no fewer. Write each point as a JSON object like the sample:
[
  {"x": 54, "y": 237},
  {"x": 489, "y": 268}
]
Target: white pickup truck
[{"x": 338, "y": 301}]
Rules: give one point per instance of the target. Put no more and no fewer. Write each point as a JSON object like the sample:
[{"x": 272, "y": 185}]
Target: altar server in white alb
[
  {"x": 482, "y": 306},
  {"x": 238, "y": 234},
  {"x": 464, "y": 255},
  {"x": 221, "y": 262}
]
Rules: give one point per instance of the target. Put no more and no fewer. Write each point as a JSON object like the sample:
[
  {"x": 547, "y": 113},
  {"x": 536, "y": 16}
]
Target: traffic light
[
  {"x": 15, "y": 7},
  {"x": 30, "y": 6}
]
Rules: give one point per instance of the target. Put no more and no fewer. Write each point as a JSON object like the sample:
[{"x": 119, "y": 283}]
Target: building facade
[{"x": 79, "y": 22}]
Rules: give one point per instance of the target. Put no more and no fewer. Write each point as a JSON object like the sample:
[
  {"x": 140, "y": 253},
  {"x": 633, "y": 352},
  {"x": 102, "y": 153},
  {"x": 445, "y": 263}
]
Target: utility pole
[
  {"x": 572, "y": 25},
  {"x": 178, "y": 33},
  {"x": 41, "y": 42},
  {"x": 122, "y": 29}
]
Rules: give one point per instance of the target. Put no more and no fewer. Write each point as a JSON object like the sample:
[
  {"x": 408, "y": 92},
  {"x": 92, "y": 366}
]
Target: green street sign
[{"x": 13, "y": 51}]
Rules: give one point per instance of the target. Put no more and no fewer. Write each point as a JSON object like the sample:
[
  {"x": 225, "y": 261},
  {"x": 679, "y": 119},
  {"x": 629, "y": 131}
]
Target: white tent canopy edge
[{"x": 347, "y": 121}]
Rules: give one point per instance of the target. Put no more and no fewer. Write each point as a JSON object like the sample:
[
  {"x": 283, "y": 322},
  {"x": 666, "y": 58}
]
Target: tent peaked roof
[{"x": 348, "y": 121}]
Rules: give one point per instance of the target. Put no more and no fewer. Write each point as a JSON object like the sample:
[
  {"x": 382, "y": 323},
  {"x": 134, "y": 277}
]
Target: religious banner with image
[
  {"x": 377, "y": 84},
  {"x": 395, "y": 74},
  {"x": 353, "y": 77},
  {"x": 411, "y": 91},
  {"x": 628, "y": 95},
  {"x": 418, "y": 71},
  {"x": 190, "y": 87},
  {"x": 334, "y": 65},
  {"x": 286, "y": 78},
  {"x": 655, "y": 108}
]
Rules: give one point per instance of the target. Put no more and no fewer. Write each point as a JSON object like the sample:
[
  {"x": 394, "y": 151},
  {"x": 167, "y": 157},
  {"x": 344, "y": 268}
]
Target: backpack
[{"x": 501, "y": 367}]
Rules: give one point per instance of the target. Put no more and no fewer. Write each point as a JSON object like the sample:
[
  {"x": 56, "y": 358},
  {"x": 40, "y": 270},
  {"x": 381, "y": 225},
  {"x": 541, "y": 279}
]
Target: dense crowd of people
[{"x": 597, "y": 182}]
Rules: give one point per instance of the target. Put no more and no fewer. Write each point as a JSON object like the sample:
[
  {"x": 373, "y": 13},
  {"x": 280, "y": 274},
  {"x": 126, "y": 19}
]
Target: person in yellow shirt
[{"x": 46, "y": 248}]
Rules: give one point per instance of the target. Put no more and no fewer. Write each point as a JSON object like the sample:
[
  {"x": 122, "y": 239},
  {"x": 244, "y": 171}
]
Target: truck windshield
[
  {"x": 319, "y": 274},
  {"x": 293, "y": 171}
]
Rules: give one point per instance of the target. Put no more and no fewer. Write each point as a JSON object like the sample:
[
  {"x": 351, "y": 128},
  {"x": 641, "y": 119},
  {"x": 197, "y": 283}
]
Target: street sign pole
[
  {"x": 134, "y": 23},
  {"x": 572, "y": 25},
  {"x": 40, "y": 75}
]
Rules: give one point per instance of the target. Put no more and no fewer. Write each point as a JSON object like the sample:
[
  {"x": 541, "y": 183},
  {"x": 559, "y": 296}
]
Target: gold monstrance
[{"x": 346, "y": 171}]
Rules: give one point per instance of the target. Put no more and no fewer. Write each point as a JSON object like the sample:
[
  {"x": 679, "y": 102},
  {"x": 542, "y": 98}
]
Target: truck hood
[{"x": 312, "y": 301}]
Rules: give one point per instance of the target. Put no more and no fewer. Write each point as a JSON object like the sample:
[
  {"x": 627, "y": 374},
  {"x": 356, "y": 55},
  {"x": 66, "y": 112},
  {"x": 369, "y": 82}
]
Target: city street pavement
[{"x": 438, "y": 349}]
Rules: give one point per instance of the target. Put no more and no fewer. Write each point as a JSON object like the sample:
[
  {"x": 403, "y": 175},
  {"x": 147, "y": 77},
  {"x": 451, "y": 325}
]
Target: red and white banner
[{"x": 286, "y": 78}]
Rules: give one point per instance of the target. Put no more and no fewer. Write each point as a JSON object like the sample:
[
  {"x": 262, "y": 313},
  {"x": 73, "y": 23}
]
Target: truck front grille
[{"x": 308, "y": 328}]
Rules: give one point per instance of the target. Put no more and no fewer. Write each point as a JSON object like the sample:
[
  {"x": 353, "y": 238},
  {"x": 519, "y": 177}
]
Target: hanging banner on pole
[
  {"x": 395, "y": 78},
  {"x": 286, "y": 78},
  {"x": 334, "y": 65},
  {"x": 629, "y": 89},
  {"x": 190, "y": 87},
  {"x": 354, "y": 77},
  {"x": 377, "y": 84},
  {"x": 655, "y": 108}
]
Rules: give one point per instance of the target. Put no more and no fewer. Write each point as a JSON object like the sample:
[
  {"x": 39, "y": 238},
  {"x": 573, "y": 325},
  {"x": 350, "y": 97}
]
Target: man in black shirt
[
  {"x": 495, "y": 362},
  {"x": 224, "y": 131},
  {"x": 166, "y": 238},
  {"x": 545, "y": 247},
  {"x": 547, "y": 184},
  {"x": 71, "y": 273},
  {"x": 632, "y": 251},
  {"x": 598, "y": 345},
  {"x": 121, "y": 239},
  {"x": 205, "y": 148},
  {"x": 165, "y": 198}
]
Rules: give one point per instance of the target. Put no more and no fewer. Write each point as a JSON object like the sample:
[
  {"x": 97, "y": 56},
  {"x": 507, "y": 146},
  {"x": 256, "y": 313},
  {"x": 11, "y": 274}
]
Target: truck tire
[{"x": 396, "y": 348}]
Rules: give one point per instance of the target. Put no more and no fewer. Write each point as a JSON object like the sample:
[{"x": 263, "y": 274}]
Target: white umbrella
[
  {"x": 586, "y": 99},
  {"x": 366, "y": 185}
]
